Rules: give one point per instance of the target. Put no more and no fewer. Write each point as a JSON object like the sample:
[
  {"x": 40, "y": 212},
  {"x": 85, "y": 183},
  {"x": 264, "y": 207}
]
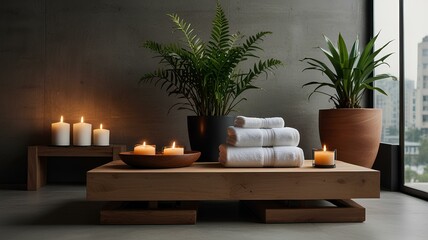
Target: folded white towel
[
  {"x": 251, "y": 122},
  {"x": 284, "y": 156},
  {"x": 245, "y": 137}
]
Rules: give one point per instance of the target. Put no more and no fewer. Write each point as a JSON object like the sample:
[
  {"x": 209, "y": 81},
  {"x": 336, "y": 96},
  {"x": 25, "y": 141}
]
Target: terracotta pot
[{"x": 354, "y": 133}]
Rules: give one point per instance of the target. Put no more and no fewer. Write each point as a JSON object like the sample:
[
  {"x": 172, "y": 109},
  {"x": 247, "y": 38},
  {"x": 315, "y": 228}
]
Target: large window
[
  {"x": 416, "y": 69},
  {"x": 414, "y": 85}
]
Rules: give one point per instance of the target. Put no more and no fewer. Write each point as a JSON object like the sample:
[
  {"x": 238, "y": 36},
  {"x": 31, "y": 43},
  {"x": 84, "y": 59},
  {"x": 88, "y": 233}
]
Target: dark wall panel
[
  {"x": 77, "y": 58},
  {"x": 22, "y": 61}
]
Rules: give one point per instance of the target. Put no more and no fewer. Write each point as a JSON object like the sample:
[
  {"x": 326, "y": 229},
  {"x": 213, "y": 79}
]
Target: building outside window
[
  {"x": 425, "y": 81},
  {"x": 416, "y": 68},
  {"x": 386, "y": 20}
]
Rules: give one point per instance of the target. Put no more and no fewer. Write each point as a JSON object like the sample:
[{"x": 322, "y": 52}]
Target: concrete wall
[{"x": 77, "y": 58}]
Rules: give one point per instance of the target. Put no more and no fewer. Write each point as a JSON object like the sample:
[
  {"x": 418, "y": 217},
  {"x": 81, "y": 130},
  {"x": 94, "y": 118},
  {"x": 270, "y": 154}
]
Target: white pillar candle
[
  {"x": 173, "y": 150},
  {"x": 101, "y": 136},
  {"x": 324, "y": 157},
  {"x": 60, "y": 133},
  {"x": 82, "y": 133},
  {"x": 144, "y": 149}
]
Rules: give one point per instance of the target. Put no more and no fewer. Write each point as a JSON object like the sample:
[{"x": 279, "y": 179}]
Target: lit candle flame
[
  {"x": 144, "y": 143},
  {"x": 81, "y": 119},
  {"x": 173, "y": 145},
  {"x": 324, "y": 148},
  {"x": 62, "y": 118},
  {"x": 101, "y": 126}
]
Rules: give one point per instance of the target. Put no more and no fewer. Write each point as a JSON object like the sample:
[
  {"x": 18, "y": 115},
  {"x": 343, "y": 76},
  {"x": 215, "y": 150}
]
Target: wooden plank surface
[
  {"x": 73, "y": 151},
  {"x": 116, "y": 181},
  {"x": 215, "y": 167},
  {"x": 278, "y": 212},
  {"x": 128, "y": 213}
]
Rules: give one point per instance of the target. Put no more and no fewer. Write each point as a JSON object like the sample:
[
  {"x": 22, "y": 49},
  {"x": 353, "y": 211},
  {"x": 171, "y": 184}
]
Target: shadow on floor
[
  {"x": 68, "y": 213},
  {"x": 224, "y": 211},
  {"x": 88, "y": 213}
]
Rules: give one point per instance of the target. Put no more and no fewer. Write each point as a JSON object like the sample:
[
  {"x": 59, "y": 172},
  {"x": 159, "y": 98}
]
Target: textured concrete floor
[{"x": 61, "y": 212}]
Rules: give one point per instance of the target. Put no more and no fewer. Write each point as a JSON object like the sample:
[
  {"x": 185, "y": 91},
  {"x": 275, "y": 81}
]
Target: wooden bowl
[{"x": 159, "y": 160}]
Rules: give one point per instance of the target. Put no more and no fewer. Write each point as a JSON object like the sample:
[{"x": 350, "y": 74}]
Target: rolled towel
[
  {"x": 284, "y": 156},
  {"x": 243, "y": 137},
  {"x": 251, "y": 122}
]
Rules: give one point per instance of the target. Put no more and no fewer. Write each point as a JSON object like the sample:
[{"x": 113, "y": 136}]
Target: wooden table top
[
  {"x": 116, "y": 181},
  {"x": 120, "y": 167}
]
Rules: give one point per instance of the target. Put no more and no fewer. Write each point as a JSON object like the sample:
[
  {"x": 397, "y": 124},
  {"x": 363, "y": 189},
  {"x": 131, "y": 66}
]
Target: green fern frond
[{"x": 205, "y": 77}]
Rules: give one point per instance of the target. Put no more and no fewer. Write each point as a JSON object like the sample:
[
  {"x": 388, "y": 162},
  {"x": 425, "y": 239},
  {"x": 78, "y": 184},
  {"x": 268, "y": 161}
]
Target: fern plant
[
  {"x": 205, "y": 76},
  {"x": 350, "y": 73}
]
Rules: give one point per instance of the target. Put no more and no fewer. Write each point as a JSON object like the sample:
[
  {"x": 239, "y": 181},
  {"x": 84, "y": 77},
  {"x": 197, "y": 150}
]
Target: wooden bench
[
  {"x": 272, "y": 193},
  {"x": 37, "y": 162}
]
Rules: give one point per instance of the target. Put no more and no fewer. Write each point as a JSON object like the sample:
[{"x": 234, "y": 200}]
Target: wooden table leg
[
  {"x": 36, "y": 173},
  {"x": 307, "y": 211},
  {"x": 149, "y": 213},
  {"x": 116, "y": 150}
]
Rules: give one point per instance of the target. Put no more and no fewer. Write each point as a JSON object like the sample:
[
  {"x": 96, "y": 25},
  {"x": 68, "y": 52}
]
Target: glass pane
[
  {"x": 386, "y": 22},
  {"x": 416, "y": 113}
]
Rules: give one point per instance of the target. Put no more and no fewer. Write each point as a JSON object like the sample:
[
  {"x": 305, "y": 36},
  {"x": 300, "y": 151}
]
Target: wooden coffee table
[{"x": 166, "y": 196}]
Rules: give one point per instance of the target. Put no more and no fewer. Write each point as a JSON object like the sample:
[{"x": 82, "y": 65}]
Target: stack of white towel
[{"x": 261, "y": 142}]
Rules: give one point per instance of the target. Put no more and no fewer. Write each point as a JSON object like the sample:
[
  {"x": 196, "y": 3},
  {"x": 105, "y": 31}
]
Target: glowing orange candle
[
  {"x": 144, "y": 149},
  {"x": 324, "y": 157},
  {"x": 173, "y": 150}
]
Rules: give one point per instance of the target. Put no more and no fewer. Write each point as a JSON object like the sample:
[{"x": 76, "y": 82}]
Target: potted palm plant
[
  {"x": 354, "y": 131},
  {"x": 206, "y": 77}
]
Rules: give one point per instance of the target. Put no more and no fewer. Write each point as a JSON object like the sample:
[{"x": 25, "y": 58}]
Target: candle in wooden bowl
[
  {"x": 143, "y": 149},
  {"x": 60, "y": 133},
  {"x": 173, "y": 150},
  {"x": 82, "y": 133}
]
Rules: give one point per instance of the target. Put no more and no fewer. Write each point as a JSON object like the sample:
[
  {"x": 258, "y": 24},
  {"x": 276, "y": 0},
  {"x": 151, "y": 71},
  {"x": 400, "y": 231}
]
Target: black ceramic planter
[{"x": 207, "y": 133}]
